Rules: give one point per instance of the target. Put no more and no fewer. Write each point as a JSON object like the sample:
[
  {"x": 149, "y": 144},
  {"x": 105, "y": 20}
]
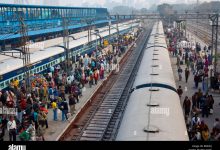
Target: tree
[
  {"x": 165, "y": 10},
  {"x": 123, "y": 10},
  {"x": 143, "y": 11}
]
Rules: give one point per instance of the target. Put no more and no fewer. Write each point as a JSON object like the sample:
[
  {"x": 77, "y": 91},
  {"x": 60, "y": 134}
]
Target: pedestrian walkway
[
  {"x": 56, "y": 128},
  {"x": 189, "y": 88}
]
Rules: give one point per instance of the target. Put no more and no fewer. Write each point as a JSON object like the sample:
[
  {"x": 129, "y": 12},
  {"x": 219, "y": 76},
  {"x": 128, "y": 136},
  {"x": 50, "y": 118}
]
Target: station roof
[
  {"x": 45, "y": 6},
  {"x": 45, "y": 31}
]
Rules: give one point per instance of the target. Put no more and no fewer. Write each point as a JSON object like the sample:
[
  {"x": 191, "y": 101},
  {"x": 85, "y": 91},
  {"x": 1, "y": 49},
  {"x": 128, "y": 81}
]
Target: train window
[
  {"x": 44, "y": 67},
  {"x": 7, "y": 83},
  {"x": 20, "y": 77},
  {"x": 2, "y": 85},
  {"x": 154, "y": 74},
  {"x": 34, "y": 70},
  {"x": 154, "y": 90},
  {"x": 41, "y": 68},
  {"x": 155, "y": 65},
  {"x": 37, "y": 69}
]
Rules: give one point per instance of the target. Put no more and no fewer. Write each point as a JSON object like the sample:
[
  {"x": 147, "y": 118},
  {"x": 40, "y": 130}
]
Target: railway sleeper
[
  {"x": 110, "y": 102},
  {"x": 88, "y": 139},
  {"x": 108, "y": 105},
  {"x": 115, "y": 98},
  {"x": 95, "y": 128},
  {"x": 106, "y": 108},
  {"x": 92, "y": 132},
  {"x": 97, "y": 125},
  {"x": 104, "y": 118},
  {"x": 100, "y": 120},
  {"x": 104, "y": 113},
  {"x": 98, "y": 136}
]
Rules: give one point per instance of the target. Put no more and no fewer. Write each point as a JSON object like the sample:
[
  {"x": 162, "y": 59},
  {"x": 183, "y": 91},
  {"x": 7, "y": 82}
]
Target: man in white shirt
[
  {"x": 11, "y": 126},
  {"x": 196, "y": 121}
]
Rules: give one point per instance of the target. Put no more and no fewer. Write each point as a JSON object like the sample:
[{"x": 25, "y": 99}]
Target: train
[
  {"x": 41, "y": 60},
  {"x": 153, "y": 111}
]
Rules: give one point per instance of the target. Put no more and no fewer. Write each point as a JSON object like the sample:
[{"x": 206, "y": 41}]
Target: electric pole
[
  {"x": 66, "y": 43},
  {"x": 26, "y": 53}
]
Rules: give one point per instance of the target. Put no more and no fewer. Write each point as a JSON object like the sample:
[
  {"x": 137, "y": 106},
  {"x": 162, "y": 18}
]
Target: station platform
[
  {"x": 57, "y": 128},
  {"x": 188, "y": 88}
]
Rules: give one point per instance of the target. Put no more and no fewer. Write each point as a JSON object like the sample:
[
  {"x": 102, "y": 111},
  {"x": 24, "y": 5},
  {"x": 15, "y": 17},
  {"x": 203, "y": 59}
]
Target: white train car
[
  {"x": 154, "y": 111},
  {"x": 11, "y": 68}
]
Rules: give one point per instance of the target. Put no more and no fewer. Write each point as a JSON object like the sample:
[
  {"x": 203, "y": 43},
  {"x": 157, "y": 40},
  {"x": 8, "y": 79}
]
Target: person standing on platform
[
  {"x": 12, "y": 127},
  {"x": 205, "y": 105},
  {"x": 54, "y": 107},
  {"x": 187, "y": 106},
  {"x": 72, "y": 103},
  {"x": 32, "y": 131},
  {"x": 196, "y": 80},
  {"x": 187, "y": 73},
  {"x": 96, "y": 76},
  {"x": 64, "y": 109},
  {"x": 180, "y": 71},
  {"x": 2, "y": 131},
  {"x": 180, "y": 91}
]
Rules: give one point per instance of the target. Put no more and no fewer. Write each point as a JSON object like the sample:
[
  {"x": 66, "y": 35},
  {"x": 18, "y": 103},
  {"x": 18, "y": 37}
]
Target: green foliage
[{"x": 165, "y": 10}]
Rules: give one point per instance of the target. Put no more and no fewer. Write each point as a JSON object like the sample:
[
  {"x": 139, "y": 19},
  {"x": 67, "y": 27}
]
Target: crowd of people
[
  {"x": 56, "y": 90},
  {"x": 197, "y": 63}
]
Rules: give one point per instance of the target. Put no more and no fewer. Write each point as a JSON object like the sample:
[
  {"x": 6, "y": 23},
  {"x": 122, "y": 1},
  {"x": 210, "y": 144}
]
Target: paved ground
[{"x": 189, "y": 89}]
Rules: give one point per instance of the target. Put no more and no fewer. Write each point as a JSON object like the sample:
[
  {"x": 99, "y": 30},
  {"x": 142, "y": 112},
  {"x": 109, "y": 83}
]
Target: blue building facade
[{"x": 45, "y": 21}]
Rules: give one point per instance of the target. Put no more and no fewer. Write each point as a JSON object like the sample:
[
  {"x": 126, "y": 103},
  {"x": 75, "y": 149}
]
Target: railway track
[
  {"x": 101, "y": 119},
  {"x": 206, "y": 37},
  {"x": 203, "y": 32}
]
